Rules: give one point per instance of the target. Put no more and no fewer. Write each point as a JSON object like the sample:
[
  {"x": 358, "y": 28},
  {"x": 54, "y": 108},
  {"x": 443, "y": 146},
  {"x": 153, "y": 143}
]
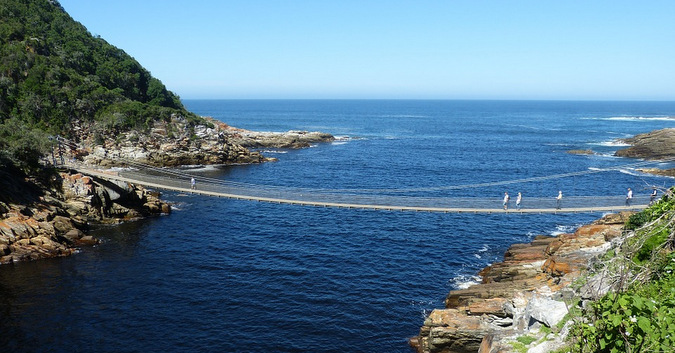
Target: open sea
[{"x": 220, "y": 275}]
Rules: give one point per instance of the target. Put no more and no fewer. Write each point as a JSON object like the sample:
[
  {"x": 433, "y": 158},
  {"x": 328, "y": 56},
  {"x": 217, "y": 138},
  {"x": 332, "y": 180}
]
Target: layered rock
[
  {"x": 518, "y": 295},
  {"x": 53, "y": 222}
]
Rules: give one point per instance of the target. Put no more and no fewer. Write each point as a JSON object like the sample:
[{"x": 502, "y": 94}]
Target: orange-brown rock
[
  {"x": 493, "y": 306},
  {"x": 515, "y": 292},
  {"x": 54, "y": 223},
  {"x": 555, "y": 268}
]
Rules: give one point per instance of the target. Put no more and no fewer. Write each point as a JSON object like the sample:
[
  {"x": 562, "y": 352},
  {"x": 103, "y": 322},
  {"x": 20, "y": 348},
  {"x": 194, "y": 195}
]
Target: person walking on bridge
[
  {"x": 518, "y": 200},
  {"x": 629, "y": 197},
  {"x": 558, "y": 200},
  {"x": 506, "y": 200},
  {"x": 652, "y": 196}
]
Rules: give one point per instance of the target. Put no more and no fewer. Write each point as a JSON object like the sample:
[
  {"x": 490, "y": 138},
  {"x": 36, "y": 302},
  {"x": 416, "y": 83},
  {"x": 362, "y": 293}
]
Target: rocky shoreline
[
  {"x": 177, "y": 142},
  {"x": 655, "y": 145},
  {"x": 47, "y": 222},
  {"x": 521, "y": 296},
  {"x": 41, "y": 221}
]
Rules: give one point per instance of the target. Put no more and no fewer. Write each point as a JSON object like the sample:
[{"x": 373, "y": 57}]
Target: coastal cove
[{"x": 228, "y": 275}]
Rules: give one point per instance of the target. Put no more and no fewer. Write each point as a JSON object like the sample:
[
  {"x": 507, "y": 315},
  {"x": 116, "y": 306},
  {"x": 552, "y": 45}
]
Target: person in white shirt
[
  {"x": 629, "y": 197},
  {"x": 558, "y": 200},
  {"x": 518, "y": 200}
]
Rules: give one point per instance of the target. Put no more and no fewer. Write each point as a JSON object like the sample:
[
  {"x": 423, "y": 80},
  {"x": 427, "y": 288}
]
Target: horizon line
[{"x": 444, "y": 99}]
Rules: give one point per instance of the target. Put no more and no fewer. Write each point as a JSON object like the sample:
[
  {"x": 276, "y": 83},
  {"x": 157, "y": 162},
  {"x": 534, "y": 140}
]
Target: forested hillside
[{"x": 54, "y": 74}]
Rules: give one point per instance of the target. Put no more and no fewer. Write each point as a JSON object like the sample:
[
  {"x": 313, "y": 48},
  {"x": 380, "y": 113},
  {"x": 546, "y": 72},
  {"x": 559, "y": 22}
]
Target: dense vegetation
[
  {"x": 640, "y": 315},
  {"x": 54, "y": 73}
]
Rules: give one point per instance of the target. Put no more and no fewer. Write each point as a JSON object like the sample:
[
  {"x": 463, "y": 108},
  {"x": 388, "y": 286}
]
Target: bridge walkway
[{"x": 324, "y": 198}]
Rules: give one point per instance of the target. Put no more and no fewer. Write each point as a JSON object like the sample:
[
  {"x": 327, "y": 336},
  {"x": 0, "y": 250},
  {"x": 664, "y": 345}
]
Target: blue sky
[{"x": 534, "y": 49}]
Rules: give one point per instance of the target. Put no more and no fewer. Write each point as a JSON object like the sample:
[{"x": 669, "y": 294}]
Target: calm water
[{"x": 234, "y": 276}]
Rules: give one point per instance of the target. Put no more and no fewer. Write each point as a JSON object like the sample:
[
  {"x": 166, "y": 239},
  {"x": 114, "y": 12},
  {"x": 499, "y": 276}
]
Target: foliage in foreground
[{"x": 640, "y": 317}]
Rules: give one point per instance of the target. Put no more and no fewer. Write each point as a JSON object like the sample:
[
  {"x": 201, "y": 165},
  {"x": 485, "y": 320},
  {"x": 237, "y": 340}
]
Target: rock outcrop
[
  {"x": 175, "y": 142},
  {"x": 52, "y": 221},
  {"x": 289, "y": 139},
  {"x": 655, "y": 145},
  {"x": 656, "y": 171},
  {"x": 179, "y": 142},
  {"x": 581, "y": 152},
  {"x": 517, "y": 296}
]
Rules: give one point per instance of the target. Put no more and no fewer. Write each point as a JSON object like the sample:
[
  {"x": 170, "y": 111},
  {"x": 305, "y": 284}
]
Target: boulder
[
  {"x": 545, "y": 310},
  {"x": 450, "y": 330},
  {"x": 62, "y": 225}
]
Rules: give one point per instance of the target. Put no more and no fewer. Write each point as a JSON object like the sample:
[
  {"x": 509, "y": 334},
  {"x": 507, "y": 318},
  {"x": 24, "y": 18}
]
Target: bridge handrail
[{"x": 379, "y": 202}]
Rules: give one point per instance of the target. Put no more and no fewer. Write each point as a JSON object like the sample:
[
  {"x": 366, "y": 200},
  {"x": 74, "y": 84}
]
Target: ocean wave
[
  {"x": 635, "y": 118},
  {"x": 603, "y": 155},
  {"x": 465, "y": 281},
  {"x": 564, "y": 229},
  {"x": 610, "y": 143},
  {"x": 632, "y": 172},
  {"x": 179, "y": 206},
  {"x": 274, "y": 151},
  {"x": 401, "y": 116}
]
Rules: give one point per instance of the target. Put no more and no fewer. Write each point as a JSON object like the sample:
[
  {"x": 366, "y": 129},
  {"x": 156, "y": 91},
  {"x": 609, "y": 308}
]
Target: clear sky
[{"x": 442, "y": 49}]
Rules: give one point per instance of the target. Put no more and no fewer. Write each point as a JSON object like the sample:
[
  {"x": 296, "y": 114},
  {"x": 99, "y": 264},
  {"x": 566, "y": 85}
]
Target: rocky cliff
[
  {"x": 523, "y": 295},
  {"x": 39, "y": 221}
]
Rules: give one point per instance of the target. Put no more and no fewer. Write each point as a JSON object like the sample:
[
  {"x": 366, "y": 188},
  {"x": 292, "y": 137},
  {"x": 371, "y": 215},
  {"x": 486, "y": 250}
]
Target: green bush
[{"x": 641, "y": 318}]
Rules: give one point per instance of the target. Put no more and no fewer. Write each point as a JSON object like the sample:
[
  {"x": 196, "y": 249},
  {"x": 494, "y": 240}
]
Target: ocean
[{"x": 220, "y": 275}]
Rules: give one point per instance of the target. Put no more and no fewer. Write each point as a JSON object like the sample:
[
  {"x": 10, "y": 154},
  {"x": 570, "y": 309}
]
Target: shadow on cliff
[{"x": 15, "y": 187}]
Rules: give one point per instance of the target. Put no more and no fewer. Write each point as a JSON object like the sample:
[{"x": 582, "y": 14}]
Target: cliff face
[{"x": 51, "y": 222}]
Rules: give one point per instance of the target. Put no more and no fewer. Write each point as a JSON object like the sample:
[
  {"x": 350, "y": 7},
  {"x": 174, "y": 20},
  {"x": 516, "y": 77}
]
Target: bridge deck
[{"x": 374, "y": 202}]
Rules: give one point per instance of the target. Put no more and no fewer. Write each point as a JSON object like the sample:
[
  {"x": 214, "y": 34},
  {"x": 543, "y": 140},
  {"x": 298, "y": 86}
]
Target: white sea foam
[
  {"x": 631, "y": 172},
  {"x": 562, "y": 229},
  {"x": 464, "y": 281},
  {"x": 274, "y": 151},
  {"x": 634, "y": 118},
  {"x": 401, "y": 116},
  {"x": 603, "y": 155},
  {"x": 611, "y": 143},
  {"x": 199, "y": 167},
  {"x": 178, "y": 206}
]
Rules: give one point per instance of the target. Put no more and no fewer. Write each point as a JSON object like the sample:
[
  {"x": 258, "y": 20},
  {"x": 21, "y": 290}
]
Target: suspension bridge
[{"x": 373, "y": 199}]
